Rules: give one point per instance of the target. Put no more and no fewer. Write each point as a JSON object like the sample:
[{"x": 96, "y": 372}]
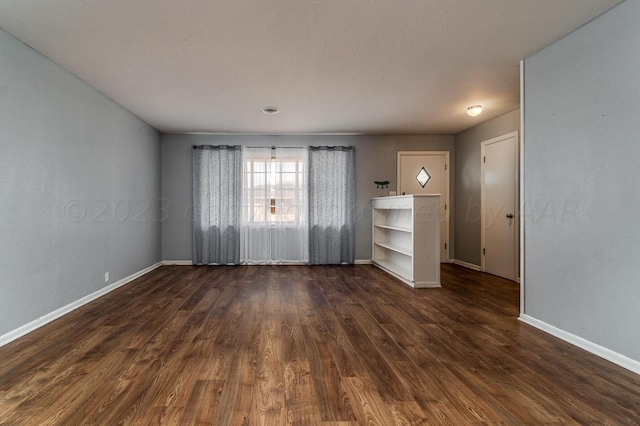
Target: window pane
[
  {"x": 289, "y": 179},
  {"x": 288, "y": 166},
  {"x": 259, "y": 180},
  {"x": 274, "y": 186}
]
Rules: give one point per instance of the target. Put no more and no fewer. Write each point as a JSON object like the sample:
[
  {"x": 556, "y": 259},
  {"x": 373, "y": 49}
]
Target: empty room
[{"x": 319, "y": 212}]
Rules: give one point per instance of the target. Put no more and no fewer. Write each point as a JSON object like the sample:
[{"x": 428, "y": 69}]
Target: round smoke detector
[{"x": 271, "y": 110}]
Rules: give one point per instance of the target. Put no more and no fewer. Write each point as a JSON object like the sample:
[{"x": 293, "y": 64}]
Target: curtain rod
[
  {"x": 328, "y": 148},
  {"x": 313, "y": 148},
  {"x": 331, "y": 148},
  {"x": 217, "y": 147},
  {"x": 274, "y": 147}
]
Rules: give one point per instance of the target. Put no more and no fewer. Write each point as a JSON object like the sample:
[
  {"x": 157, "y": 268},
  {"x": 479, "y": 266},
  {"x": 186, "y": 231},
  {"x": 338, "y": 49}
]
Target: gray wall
[
  {"x": 65, "y": 148},
  {"x": 468, "y": 176},
  {"x": 582, "y": 177},
  {"x": 375, "y": 160}
]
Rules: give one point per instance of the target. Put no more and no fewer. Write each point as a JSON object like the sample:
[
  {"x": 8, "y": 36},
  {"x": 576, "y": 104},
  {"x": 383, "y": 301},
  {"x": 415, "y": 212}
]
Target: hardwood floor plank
[
  {"x": 241, "y": 349},
  {"x": 370, "y": 409},
  {"x": 97, "y": 392},
  {"x": 294, "y": 345},
  {"x": 270, "y": 376},
  {"x": 202, "y": 404},
  {"x": 506, "y": 408},
  {"x": 301, "y": 400},
  {"x": 54, "y": 372},
  {"x": 332, "y": 402},
  {"x": 319, "y": 315},
  {"x": 385, "y": 380},
  {"x": 408, "y": 413},
  {"x": 383, "y": 342},
  {"x": 306, "y": 345},
  {"x": 163, "y": 416},
  {"x": 433, "y": 395}
]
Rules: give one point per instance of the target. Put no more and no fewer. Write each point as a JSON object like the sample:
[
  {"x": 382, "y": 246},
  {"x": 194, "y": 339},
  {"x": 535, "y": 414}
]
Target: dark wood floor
[{"x": 310, "y": 346}]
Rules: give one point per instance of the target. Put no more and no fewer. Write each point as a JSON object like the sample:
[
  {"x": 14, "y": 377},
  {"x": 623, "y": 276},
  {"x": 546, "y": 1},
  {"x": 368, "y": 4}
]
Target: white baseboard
[
  {"x": 466, "y": 265},
  {"x": 177, "y": 262},
  {"x": 601, "y": 351},
  {"x": 189, "y": 262},
  {"x": 35, "y": 324}
]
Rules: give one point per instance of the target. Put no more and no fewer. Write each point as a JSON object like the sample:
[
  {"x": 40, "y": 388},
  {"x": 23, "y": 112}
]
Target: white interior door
[
  {"x": 436, "y": 165},
  {"x": 500, "y": 205}
]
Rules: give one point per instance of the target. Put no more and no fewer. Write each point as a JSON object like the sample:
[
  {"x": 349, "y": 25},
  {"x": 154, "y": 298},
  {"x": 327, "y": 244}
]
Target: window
[
  {"x": 255, "y": 208},
  {"x": 274, "y": 185},
  {"x": 274, "y": 227}
]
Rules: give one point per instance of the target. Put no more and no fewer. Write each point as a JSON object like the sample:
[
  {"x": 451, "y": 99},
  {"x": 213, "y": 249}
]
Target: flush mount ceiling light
[
  {"x": 474, "y": 110},
  {"x": 271, "y": 110}
]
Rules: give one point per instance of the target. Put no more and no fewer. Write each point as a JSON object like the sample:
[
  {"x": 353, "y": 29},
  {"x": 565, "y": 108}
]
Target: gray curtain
[
  {"x": 332, "y": 200},
  {"x": 217, "y": 183}
]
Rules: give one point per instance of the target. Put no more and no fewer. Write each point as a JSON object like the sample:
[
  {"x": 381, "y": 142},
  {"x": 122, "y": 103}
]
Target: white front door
[
  {"x": 436, "y": 166},
  {"x": 500, "y": 206}
]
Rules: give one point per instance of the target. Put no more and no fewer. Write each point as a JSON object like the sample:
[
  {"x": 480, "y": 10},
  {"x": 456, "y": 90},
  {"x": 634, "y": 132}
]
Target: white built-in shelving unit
[{"x": 406, "y": 238}]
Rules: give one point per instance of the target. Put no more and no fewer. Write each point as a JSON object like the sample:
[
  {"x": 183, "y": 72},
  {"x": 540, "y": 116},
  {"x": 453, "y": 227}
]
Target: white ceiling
[{"x": 332, "y": 66}]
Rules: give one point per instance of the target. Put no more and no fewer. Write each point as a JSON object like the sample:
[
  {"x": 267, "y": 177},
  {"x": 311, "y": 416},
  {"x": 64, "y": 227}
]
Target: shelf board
[
  {"x": 393, "y": 247},
  {"x": 394, "y": 228},
  {"x": 395, "y": 268}
]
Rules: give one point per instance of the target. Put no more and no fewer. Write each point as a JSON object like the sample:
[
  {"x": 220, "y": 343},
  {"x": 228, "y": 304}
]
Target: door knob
[{"x": 510, "y": 215}]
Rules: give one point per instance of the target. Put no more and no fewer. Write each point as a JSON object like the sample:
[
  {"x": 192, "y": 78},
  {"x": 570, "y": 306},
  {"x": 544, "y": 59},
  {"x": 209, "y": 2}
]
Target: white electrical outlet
[{"x": 106, "y": 277}]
